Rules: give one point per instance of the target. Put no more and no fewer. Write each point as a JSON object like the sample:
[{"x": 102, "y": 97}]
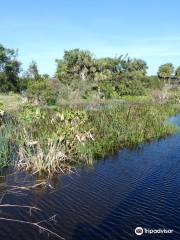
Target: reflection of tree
[{"x": 22, "y": 190}]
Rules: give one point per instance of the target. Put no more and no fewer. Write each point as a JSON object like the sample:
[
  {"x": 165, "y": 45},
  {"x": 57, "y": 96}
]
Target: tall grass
[
  {"x": 8, "y": 145},
  {"x": 55, "y": 140},
  {"x": 129, "y": 126}
]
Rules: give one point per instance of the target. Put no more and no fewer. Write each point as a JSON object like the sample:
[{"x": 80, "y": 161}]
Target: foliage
[
  {"x": 42, "y": 91},
  {"x": 9, "y": 69},
  {"x": 152, "y": 82},
  {"x": 166, "y": 71},
  {"x": 177, "y": 72},
  {"x": 135, "y": 66},
  {"x": 54, "y": 140},
  {"x": 81, "y": 75},
  {"x": 31, "y": 75},
  {"x": 103, "y": 78},
  {"x": 75, "y": 64},
  {"x": 107, "y": 90},
  {"x": 33, "y": 71}
]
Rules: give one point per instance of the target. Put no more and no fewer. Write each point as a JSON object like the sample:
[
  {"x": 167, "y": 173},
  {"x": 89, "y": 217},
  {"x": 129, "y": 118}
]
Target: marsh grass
[
  {"x": 128, "y": 127},
  {"x": 38, "y": 159},
  {"x": 8, "y": 144},
  {"x": 59, "y": 139}
]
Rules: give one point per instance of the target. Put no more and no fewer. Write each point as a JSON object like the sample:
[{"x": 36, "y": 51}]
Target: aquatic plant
[{"x": 54, "y": 140}]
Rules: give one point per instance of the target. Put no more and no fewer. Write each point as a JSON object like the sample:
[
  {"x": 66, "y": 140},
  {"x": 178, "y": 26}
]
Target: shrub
[
  {"x": 42, "y": 91},
  {"x": 133, "y": 87}
]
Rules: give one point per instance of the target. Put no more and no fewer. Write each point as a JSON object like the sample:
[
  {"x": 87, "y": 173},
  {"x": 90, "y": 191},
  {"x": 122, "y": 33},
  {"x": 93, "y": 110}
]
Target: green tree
[
  {"x": 112, "y": 65},
  {"x": 133, "y": 65},
  {"x": 138, "y": 65},
  {"x": 32, "y": 74},
  {"x": 177, "y": 72},
  {"x": 131, "y": 78},
  {"x": 42, "y": 91},
  {"x": 166, "y": 71},
  {"x": 9, "y": 69},
  {"x": 76, "y": 64},
  {"x": 33, "y": 71}
]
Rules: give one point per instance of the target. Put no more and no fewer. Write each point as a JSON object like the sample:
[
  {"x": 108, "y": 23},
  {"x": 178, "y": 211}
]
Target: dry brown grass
[{"x": 52, "y": 161}]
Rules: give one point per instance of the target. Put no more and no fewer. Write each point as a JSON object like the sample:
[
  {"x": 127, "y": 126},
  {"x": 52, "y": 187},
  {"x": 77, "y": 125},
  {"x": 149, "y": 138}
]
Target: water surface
[{"x": 129, "y": 189}]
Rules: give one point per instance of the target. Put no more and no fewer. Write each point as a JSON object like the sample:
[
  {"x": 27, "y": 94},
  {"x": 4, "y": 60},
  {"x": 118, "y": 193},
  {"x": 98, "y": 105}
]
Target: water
[{"x": 123, "y": 191}]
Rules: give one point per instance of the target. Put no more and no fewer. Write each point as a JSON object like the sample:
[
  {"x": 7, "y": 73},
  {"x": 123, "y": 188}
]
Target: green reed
[{"x": 58, "y": 139}]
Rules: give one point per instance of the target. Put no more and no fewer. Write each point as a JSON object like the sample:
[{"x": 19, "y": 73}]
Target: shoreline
[{"x": 58, "y": 140}]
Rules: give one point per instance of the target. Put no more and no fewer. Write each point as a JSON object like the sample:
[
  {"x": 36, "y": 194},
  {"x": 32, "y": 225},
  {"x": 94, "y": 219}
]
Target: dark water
[{"x": 130, "y": 189}]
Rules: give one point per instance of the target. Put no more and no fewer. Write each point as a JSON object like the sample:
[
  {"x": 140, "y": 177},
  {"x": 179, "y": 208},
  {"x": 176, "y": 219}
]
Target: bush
[
  {"x": 153, "y": 82},
  {"x": 42, "y": 91},
  {"x": 133, "y": 87},
  {"x": 108, "y": 90}
]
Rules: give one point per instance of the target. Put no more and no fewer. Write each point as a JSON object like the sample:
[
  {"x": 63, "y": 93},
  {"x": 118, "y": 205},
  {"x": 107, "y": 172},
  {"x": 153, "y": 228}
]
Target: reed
[{"x": 59, "y": 139}]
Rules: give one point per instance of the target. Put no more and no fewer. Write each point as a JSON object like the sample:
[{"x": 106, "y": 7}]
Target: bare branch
[{"x": 33, "y": 224}]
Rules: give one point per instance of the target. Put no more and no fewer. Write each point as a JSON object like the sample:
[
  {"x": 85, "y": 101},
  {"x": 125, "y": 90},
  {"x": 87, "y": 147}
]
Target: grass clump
[
  {"x": 129, "y": 126},
  {"x": 56, "y": 139}
]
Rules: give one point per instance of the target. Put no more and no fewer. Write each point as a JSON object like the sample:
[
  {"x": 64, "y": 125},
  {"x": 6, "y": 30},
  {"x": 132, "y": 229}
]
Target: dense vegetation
[
  {"x": 54, "y": 140},
  {"x": 90, "y": 108},
  {"x": 9, "y": 70},
  {"x": 80, "y": 75}
]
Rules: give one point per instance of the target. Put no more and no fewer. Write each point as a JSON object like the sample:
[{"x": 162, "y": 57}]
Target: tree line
[{"x": 80, "y": 74}]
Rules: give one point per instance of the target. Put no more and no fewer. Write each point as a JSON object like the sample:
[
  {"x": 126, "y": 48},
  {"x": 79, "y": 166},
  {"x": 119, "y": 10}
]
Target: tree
[
  {"x": 108, "y": 64},
  {"x": 33, "y": 71},
  {"x": 177, "y": 72},
  {"x": 76, "y": 64},
  {"x": 32, "y": 74},
  {"x": 166, "y": 71},
  {"x": 42, "y": 91},
  {"x": 9, "y": 69},
  {"x": 138, "y": 65}
]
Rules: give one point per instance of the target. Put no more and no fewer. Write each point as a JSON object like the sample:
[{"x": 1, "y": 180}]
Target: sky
[{"x": 42, "y": 29}]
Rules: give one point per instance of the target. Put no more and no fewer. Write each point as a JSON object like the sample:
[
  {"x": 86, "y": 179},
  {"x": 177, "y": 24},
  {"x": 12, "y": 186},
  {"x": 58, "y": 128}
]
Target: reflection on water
[{"x": 132, "y": 188}]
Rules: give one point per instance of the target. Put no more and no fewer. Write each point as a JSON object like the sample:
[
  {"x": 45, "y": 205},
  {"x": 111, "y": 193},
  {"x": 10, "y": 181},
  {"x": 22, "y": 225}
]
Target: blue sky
[{"x": 43, "y": 29}]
